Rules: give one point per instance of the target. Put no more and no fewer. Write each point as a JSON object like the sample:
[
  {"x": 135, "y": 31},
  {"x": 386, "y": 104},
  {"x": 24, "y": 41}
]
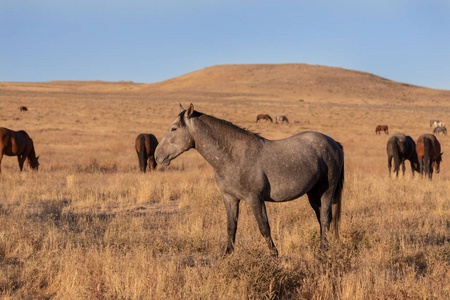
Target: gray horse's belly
[
  {"x": 294, "y": 165},
  {"x": 290, "y": 188}
]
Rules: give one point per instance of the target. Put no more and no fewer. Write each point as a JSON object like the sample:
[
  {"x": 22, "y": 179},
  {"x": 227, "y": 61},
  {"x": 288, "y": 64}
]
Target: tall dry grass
[{"x": 89, "y": 226}]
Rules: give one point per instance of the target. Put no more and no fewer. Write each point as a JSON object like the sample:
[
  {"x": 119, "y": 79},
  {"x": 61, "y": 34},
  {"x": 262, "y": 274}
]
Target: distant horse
[
  {"x": 437, "y": 123},
  {"x": 264, "y": 117},
  {"x": 429, "y": 153},
  {"x": 18, "y": 143},
  {"x": 145, "y": 145},
  {"x": 281, "y": 119},
  {"x": 23, "y": 108},
  {"x": 381, "y": 128},
  {"x": 401, "y": 148},
  {"x": 434, "y": 123},
  {"x": 251, "y": 168},
  {"x": 439, "y": 130}
]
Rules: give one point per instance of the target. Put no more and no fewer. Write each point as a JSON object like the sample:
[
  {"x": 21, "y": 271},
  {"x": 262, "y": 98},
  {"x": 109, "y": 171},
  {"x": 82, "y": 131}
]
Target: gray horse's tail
[
  {"x": 337, "y": 199},
  {"x": 142, "y": 154},
  {"x": 396, "y": 154}
]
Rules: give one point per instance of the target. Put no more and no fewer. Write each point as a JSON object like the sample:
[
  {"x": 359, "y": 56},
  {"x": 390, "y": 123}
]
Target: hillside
[
  {"x": 300, "y": 81},
  {"x": 311, "y": 83}
]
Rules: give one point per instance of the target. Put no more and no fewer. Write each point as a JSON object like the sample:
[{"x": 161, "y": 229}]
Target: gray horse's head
[{"x": 177, "y": 138}]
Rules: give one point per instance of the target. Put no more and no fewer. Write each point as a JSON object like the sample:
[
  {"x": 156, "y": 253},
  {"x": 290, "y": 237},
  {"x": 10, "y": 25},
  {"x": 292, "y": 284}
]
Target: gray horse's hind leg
[
  {"x": 321, "y": 203},
  {"x": 232, "y": 208},
  {"x": 314, "y": 201},
  {"x": 259, "y": 211}
]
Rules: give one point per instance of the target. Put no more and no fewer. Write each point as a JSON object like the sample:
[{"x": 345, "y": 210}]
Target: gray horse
[
  {"x": 402, "y": 147},
  {"x": 251, "y": 168},
  {"x": 281, "y": 119},
  {"x": 439, "y": 130}
]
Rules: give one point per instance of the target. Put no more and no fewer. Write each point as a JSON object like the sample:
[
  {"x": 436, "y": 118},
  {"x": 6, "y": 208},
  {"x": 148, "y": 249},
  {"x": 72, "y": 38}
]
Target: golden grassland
[{"x": 88, "y": 225}]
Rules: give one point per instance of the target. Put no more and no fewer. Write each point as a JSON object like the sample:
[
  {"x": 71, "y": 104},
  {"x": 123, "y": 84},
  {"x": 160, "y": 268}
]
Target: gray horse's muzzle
[{"x": 161, "y": 159}]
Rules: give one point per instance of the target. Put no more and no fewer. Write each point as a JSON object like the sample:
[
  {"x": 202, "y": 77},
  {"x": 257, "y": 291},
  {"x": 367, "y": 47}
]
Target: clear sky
[{"x": 149, "y": 41}]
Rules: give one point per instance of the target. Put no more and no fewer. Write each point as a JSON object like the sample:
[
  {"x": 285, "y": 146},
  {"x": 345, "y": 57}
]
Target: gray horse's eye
[{"x": 173, "y": 129}]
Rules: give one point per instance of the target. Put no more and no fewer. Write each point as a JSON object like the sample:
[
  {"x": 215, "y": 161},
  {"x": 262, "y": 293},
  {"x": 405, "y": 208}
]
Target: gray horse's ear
[
  {"x": 181, "y": 108},
  {"x": 190, "y": 110}
]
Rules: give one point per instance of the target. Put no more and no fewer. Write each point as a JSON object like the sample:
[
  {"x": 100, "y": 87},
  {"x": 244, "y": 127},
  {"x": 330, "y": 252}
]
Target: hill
[
  {"x": 300, "y": 81},
  {"x": 310, "y": 83}
]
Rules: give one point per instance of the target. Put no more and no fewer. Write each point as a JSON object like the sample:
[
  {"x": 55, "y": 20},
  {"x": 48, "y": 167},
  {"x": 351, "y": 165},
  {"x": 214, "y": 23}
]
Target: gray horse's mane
[
  {"x": 221, "y": 122},
  {"x": 231, "y": 126}
]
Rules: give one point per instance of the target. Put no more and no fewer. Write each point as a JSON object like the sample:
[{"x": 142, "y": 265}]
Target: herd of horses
[
  {"x": 278, "y": 119},
  {"x": 424, "y": 155},
  {"x": 248, "y": 167}
]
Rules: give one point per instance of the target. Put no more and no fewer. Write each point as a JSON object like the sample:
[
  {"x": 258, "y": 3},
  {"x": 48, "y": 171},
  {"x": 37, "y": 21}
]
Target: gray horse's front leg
[
  {"x": 232, "y": 207},
  {"x": 259, "y": 210}
]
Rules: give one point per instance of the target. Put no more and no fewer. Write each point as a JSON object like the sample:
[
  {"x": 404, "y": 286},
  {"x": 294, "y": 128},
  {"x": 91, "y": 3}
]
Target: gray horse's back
[{"x": 296, "y": 164}]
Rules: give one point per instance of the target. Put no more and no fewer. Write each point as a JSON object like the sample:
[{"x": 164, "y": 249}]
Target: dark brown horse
[
  {"x": 17, "y": 143},
  {"x": 145, "y": 148},
  {"x": 402, "y": 147},
  {"x": 23, "y": 108},
  {"x": 429, "y": 154},
  {"x": 254, "y": 169},
  {"x": 381, "y": 128},
  {"x": 264, "y": 117}
]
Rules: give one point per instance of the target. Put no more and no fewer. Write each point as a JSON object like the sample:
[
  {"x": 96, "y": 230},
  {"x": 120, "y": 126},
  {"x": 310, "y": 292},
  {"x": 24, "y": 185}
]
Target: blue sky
[{"x": 151, "y": 41}]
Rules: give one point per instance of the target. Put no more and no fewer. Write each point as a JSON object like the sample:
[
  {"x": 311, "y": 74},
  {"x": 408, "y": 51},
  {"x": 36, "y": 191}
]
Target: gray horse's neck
[{"x": 221, "y": 142}]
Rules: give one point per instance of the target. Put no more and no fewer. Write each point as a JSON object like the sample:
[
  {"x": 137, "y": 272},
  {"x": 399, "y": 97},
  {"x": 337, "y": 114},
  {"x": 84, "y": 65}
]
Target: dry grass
[{"x": 89, "y": 226}]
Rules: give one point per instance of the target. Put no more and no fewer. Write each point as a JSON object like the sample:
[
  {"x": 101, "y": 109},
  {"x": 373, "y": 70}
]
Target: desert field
[{"x": 89, "y": 225}]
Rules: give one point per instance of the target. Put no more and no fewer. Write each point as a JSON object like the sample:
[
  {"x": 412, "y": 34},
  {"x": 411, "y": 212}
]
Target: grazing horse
[
  {"x": 254, "y": 169},
  {"x": 263, "y": 117},
  {"x": 18, "y": 143},
  {"x": 23, "y": 108},
  {"x": 381, "y": 128},
  {"x": 402, "y": 147},
  {"x": 281, "y": 119},
  {"x": 145, "y": 145},
  {"x": 433, "y": 122},
  {"x": 439, "y": 130},
  {"x": 429, "y": 153}
]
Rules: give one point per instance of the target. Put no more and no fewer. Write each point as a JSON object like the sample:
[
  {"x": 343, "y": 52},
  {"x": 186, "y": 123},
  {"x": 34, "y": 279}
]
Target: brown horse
[
  {"x": 381, "y": 128},
  {"x": 264, "y": 117},
  {"x": 23, "y": 108},
  {"x": 429, "y": 154},
  {"x": 17, "y": 143},
  {"x": 145, "y": 148}
]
